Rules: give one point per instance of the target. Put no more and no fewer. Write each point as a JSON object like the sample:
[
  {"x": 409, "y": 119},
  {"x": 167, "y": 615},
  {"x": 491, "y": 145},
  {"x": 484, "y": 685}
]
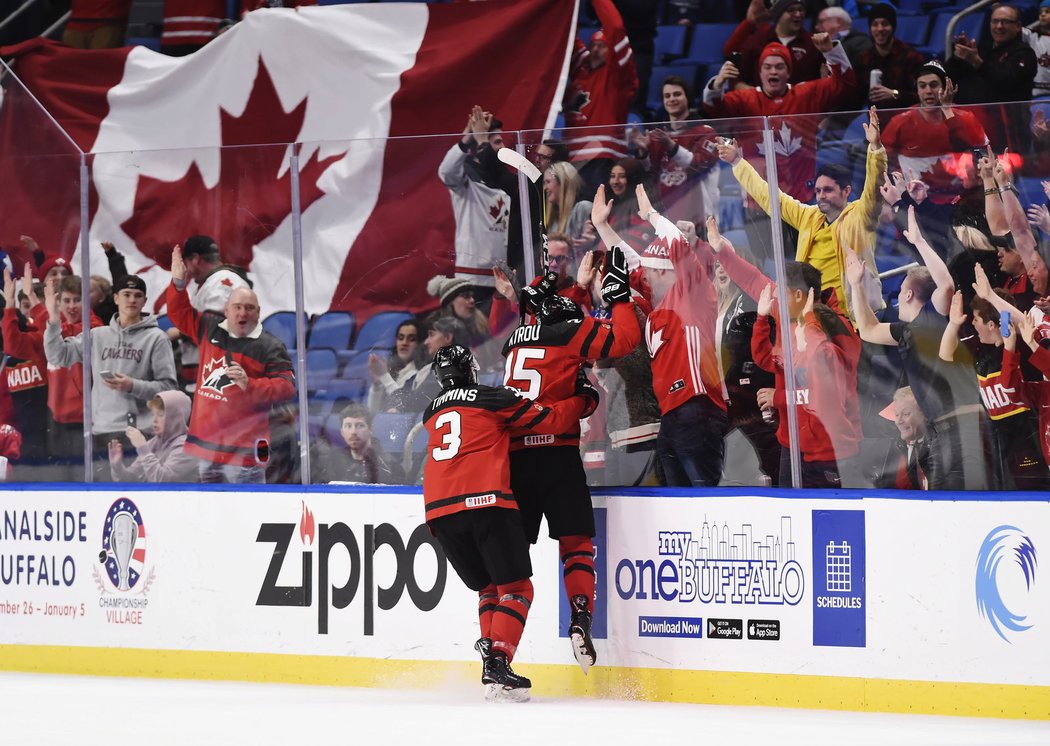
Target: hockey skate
[
  {"x": 580, "y": 633},
  {"x": 484, "y": 648},
  {"x": 501, "y": 683}
]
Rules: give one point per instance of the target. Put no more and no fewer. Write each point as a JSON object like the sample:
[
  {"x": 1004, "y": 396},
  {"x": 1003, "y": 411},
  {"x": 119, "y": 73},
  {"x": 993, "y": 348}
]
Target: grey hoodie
[
  {"x": 162, "y": 458},
  {"x": 141, "y": 351}
]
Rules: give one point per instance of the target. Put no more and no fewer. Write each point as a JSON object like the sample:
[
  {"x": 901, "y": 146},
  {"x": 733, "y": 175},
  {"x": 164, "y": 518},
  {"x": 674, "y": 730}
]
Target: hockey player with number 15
[{"x": 471, "y": 509}]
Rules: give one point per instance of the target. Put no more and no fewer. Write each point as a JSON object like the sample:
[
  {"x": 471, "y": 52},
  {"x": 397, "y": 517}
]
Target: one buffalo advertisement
[
  {"x": 697, "y": 581},
  {"x": 200, "y": 144}
]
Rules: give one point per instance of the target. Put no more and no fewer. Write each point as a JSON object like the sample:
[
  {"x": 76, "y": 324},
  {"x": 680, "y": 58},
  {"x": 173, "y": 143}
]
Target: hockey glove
[
  {"x": 615, "y": 287},
  {"x": 586, "y": 389},
  {"x": 532, "y": 295}
]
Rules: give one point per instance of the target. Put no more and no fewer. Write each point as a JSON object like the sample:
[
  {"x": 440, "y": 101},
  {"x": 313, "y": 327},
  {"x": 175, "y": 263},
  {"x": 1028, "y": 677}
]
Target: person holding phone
[
  {"x": 244, "y": 371},
  {"x": 132, "y": 348}
]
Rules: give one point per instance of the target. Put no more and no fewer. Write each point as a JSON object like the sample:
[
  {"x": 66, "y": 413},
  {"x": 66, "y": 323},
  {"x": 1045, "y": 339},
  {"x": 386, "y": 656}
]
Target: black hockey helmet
[
  {"x": 555, "y": 308},
  {"x": 454, "y": 365}
]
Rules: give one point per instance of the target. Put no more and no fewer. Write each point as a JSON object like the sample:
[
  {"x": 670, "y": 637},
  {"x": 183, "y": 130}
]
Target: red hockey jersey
[
  {"x": 543, "y": 359},
  {"x": 938, "y": 151},
  {"x": 467, "y": 464}
]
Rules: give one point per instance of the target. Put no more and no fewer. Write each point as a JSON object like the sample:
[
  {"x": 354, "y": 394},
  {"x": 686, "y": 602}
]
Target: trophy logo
[{"x": 123, "y": 544}]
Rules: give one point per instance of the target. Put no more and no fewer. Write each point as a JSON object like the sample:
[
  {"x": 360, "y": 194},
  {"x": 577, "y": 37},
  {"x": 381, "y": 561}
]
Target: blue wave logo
[{"x": 1009, "y": 544}]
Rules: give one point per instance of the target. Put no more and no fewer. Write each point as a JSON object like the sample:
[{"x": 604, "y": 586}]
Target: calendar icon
[{"x": 839, "y": 566}]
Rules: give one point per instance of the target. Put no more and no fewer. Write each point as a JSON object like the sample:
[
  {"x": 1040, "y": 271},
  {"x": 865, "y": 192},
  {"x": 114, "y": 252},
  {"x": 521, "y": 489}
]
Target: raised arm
[
  {"x": 868, "y": 325},
  {"x": 984, "y": 289},
  {"x": 993, "y": 201},
  {"x": 942, "y": 278},
  {"x": 950, "y": 337},
  {"x": 1016, "y": 218}
]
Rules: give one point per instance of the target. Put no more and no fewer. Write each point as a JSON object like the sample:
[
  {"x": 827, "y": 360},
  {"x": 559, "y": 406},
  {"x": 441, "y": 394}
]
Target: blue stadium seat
[
  {"x": 321, "y": 367},
  {"x": 390, "y": 430},
  {"x": 282, "y": 325},
  {"x": 974, "y": 25},
  {"x": 341, "y": 391},
  {"x": 669, "y": 43},
  {"x": 707, "y": 42},
  {"x": 332, "y": 329},
  {"x": 583, "y": 33},
  {"x": 379, "y": 330},
  {"x": 913, "y": 29}
]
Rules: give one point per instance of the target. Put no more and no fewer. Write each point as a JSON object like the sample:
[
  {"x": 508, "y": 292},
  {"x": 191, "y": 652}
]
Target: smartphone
[
  {"x": 1004, "y": 323},
  {"x": 107, "y": 374},
  {"x": 133, "y": 420},
  {"x": 978, "y": 154},
  {"x": 736, "y": 58},
  {"x": 262, "y": 451}
]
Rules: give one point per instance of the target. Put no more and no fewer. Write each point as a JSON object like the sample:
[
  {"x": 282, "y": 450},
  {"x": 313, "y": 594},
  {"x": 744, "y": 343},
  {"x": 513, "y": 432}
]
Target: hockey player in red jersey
[
  {"x": 543, "y": 361},
  {"x": 469, "y": 505}
]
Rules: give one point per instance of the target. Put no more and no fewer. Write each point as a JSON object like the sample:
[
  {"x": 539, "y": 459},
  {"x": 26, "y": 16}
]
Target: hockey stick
[{"x": 531, "y": 296}]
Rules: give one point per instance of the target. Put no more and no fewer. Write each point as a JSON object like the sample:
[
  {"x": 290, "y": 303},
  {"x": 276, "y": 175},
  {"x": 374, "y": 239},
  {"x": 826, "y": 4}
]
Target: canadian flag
[{"x": 347, "y": 89}]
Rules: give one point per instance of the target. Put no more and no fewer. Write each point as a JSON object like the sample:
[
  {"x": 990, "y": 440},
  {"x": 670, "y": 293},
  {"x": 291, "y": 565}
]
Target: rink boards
[{"x": 878, "y": 603}]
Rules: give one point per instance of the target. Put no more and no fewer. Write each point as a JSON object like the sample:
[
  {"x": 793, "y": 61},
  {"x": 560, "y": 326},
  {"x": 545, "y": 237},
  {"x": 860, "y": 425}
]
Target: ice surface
[{"x": 83, "y": 710}]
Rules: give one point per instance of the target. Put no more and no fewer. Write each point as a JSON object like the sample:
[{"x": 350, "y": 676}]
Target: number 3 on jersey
[
  {"x": 518, "y": 375},
  {"x": 450, "y": 441}
]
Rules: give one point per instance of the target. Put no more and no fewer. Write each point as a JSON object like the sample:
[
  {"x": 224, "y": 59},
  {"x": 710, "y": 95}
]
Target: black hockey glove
[
  {"x": 587, "y": 390},
  {"x": 615, "y": 287},
  {"x": 532, "y": 295}
]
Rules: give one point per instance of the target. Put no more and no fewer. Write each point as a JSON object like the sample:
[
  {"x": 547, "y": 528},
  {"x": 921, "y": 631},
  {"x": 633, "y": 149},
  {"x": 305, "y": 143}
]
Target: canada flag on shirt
[{"x": 339, "y": 81}]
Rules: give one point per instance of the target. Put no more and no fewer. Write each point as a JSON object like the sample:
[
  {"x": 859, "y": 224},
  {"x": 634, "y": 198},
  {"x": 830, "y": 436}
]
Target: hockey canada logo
[
  {"x": 123, "y": 556},
  {"x": 1006, "y": 565},
  {"x": 215, "y": 378}
]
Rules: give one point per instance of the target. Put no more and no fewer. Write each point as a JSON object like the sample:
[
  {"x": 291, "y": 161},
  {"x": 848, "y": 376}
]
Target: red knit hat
[
  {"x": 50, "y": 263},
  {"x": 776, "y": 49}
]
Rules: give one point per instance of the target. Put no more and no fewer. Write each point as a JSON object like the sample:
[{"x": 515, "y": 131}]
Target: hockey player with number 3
[
  {"x": 547, "y": 475},
  {"x": 470, "y": 507}
]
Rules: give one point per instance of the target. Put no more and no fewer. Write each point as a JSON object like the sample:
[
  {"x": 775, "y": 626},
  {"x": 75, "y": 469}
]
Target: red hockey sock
[
  {"x": 508, "y": 621},
  {"x": 577, "y": 559},
  {"x": 487, "y": 600}
]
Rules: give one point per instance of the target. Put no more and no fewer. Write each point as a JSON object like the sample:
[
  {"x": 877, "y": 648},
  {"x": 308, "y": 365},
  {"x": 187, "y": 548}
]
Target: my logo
[{"x": 993, "y": 577}]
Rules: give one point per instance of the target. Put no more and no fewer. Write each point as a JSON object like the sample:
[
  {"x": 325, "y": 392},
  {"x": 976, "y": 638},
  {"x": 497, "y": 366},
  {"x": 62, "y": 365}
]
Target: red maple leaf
[
  {"x": 250, "y": 199},
  {"x": 495, "y": 210}
]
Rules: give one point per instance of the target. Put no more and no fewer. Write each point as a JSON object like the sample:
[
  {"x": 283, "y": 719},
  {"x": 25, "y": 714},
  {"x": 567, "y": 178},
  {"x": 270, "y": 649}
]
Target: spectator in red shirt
[
  {"x": 785, "y": 27},
  {"x": 602, "y": 84},
  {"x": 933, "y": 141}
]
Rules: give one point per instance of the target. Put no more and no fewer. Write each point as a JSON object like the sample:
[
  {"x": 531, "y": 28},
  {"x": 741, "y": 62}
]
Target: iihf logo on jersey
[
  {"x": 1000, "y": 582},
  {"x": 123, "y": 556}
]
